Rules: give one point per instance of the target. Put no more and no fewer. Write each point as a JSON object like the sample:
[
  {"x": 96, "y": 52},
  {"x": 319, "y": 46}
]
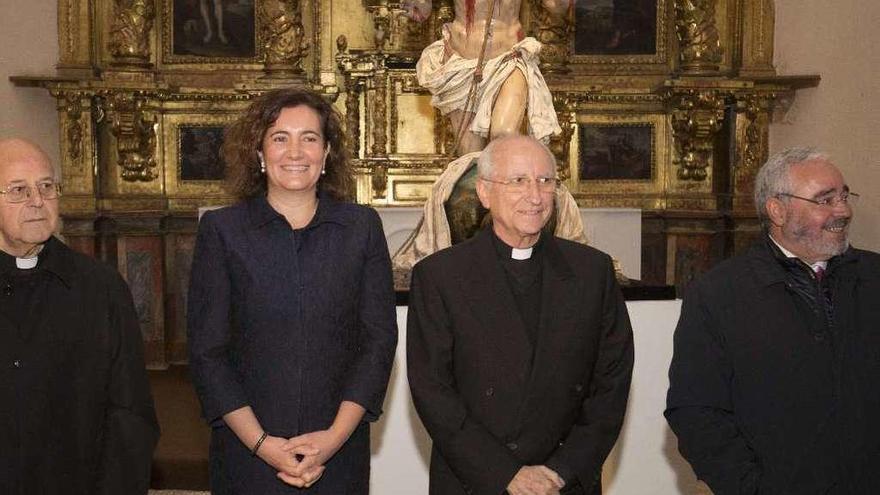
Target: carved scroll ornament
[
  {"x": 134, "y": 127},
  {"x": 696, "y": 118},
  {"x": 73, "y": 108}
]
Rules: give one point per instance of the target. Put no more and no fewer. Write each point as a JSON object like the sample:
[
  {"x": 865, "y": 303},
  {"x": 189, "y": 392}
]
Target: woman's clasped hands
[{"x": 300, "y": 460}]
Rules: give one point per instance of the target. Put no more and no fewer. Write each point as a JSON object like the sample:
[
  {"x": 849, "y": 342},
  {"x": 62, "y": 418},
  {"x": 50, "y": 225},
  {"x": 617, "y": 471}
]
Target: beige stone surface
[{"x": 28, "y": 45}]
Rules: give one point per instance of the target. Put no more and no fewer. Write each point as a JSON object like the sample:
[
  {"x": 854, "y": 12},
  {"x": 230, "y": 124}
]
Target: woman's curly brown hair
[{"x": 244, "y": 138}]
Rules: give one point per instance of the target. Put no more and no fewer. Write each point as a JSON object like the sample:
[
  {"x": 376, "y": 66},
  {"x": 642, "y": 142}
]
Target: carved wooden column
[
  {"x": 757, "y": 38},
  {"x": 353, "y": 89},
  {"x": 752, "y": 137},
  {"x": 561, "y": 145},
  {"x": 284, "y": 45},
  {"x": 379, "y": 122},
  {"x": 74, "y": 40},
  {"x": 130, "y": 32},
  {"x": 76, "y": 121},
  {"x": 699, "y": 42},
  {"x": 753, "y": 111},
  {"x": 554, "y": 32}
]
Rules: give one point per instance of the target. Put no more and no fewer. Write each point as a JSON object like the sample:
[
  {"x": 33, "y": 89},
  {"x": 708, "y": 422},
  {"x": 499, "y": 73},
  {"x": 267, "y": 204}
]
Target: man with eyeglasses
[
  {"x": 773, "y": 382},
  {"x": 519, "y": 346},
  {"x": 76, "y": 416}
]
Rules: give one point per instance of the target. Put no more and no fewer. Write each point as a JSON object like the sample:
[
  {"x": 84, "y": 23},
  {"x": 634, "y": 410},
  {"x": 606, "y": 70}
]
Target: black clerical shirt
[
  {"x": 76, "y": 415},
  {"x": 524, "y": 281}
]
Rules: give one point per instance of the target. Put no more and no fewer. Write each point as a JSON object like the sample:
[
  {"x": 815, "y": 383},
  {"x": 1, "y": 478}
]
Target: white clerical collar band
[
  {"x": 521, "y": 254},
  {"x": 26, "y": 263}
]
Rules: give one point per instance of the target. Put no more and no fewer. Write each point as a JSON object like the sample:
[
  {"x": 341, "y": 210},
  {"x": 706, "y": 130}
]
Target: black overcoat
[
  {"x": 764, "y": 397},
  {"x": 76, "y": 415},
  {"x": 493, "y": 403},
  {"x": 291, "y": 323}
]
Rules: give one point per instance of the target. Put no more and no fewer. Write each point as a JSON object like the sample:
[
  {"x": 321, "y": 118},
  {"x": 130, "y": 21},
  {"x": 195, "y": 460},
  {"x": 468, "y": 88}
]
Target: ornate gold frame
[
  {"x": 194, "y": 61},
  {"x": 187, "y": 194},
  {"x": 632, "y": 193},
  {"x": 630, "y": 64}
]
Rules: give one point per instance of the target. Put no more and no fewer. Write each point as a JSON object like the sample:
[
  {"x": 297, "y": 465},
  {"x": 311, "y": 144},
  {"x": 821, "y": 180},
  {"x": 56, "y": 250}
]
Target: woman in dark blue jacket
[{"x": 291, "y": 320}]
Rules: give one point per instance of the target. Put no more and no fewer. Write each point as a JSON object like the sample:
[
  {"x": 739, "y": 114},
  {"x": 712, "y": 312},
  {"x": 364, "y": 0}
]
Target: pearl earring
[
  {"x": 323, "y": 171},
  {"x": 262, "y": 165}
]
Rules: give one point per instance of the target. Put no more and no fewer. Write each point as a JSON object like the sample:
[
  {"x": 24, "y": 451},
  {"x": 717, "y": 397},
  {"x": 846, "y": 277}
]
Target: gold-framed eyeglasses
[
  {"x": 846, "y": 197},
  {"x": 521, "y": 183},
  {"x": 19, "y": 193}
]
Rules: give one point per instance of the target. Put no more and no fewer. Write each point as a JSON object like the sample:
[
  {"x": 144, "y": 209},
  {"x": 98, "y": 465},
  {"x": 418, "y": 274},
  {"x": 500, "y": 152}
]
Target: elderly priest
[
  {"x": 519, "y": 346},
  {"x": 76, "y": 415}
]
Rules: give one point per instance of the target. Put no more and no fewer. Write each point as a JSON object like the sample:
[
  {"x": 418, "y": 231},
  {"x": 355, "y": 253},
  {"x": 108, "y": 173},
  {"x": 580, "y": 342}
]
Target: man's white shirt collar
[{"x": 815, "y": 266}]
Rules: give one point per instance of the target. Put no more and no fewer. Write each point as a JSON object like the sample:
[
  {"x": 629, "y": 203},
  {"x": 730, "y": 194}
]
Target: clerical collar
[
  {"x": 507, "y": 252},
  {"x": 26, "y": 263},
  {"x": 813, "y": 266},
  {"x": 521, "y": 254},
  {"x": 7, "y": 261}
]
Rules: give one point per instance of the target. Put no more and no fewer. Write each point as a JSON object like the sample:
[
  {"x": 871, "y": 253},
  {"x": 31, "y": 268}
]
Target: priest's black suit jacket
[{"x": 490, "y": 401}]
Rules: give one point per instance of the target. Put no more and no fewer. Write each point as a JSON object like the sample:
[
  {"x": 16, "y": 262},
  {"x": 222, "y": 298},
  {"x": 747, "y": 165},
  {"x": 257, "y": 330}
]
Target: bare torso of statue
[
  {"x": 467, "y": 31},
  {"x": 485, "y": 36}
]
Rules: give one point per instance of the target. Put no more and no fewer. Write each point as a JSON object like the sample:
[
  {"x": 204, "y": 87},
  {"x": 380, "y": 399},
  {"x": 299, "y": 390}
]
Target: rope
[{"x": 478, "y": 76}]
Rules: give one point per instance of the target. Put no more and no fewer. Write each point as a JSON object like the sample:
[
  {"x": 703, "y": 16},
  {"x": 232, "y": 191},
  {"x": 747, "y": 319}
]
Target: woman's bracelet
[{"x": 259, "y": 442}]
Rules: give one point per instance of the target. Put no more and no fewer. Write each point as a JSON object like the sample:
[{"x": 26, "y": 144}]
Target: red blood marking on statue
[
  {"x": 469, "y": 13},
  {"x": 520, "y": 35}
]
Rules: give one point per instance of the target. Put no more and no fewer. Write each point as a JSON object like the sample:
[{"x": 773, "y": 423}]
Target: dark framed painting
[
  {"x": 218, "y": 29},
  {"x": 615, "y": 27},
  {"x": 616, "y": 152},
  {"x": 199, "y": 155}
]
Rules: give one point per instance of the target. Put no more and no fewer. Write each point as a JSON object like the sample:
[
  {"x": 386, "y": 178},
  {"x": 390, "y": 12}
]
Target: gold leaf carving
[
  {"x": 134, "y": 127},
  {"x": 284, "y": 42},
  {"x": 130, "y": 35},
  {"x": 700, "y": 45},
  {"x": 696, "y": 118}
]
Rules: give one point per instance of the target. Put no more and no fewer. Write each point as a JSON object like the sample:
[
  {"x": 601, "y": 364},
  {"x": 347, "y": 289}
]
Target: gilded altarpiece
[{"x": 664, "y": 106}]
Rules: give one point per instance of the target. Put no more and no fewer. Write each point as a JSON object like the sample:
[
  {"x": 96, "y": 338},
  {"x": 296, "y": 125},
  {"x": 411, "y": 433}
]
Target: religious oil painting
[
  {"x": 615, "y": 27},
  {"x": 214, "y": 28},
  {"x": 616, "y": 152},
  {"x": 200, "y": 153}
]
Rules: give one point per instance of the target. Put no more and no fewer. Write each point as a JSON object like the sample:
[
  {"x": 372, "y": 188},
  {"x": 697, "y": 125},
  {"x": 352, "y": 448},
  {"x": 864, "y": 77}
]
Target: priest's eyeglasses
[
  {"x": 521, "y": 183},
  {"x": 846, "y": 197},
  {"x": 19, "y": 193}
]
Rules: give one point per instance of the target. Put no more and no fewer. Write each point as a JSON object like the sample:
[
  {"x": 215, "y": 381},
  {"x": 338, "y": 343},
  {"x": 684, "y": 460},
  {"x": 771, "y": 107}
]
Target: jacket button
[
  {"x": 490, "y": 392},
  {"x": 7, "y": 289},
  {"x": 512, "y": 446},
  {"x": 578, "y": 388},
  {"x": 16, "y": 363},
  {"x": 819, "y": 337}
]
